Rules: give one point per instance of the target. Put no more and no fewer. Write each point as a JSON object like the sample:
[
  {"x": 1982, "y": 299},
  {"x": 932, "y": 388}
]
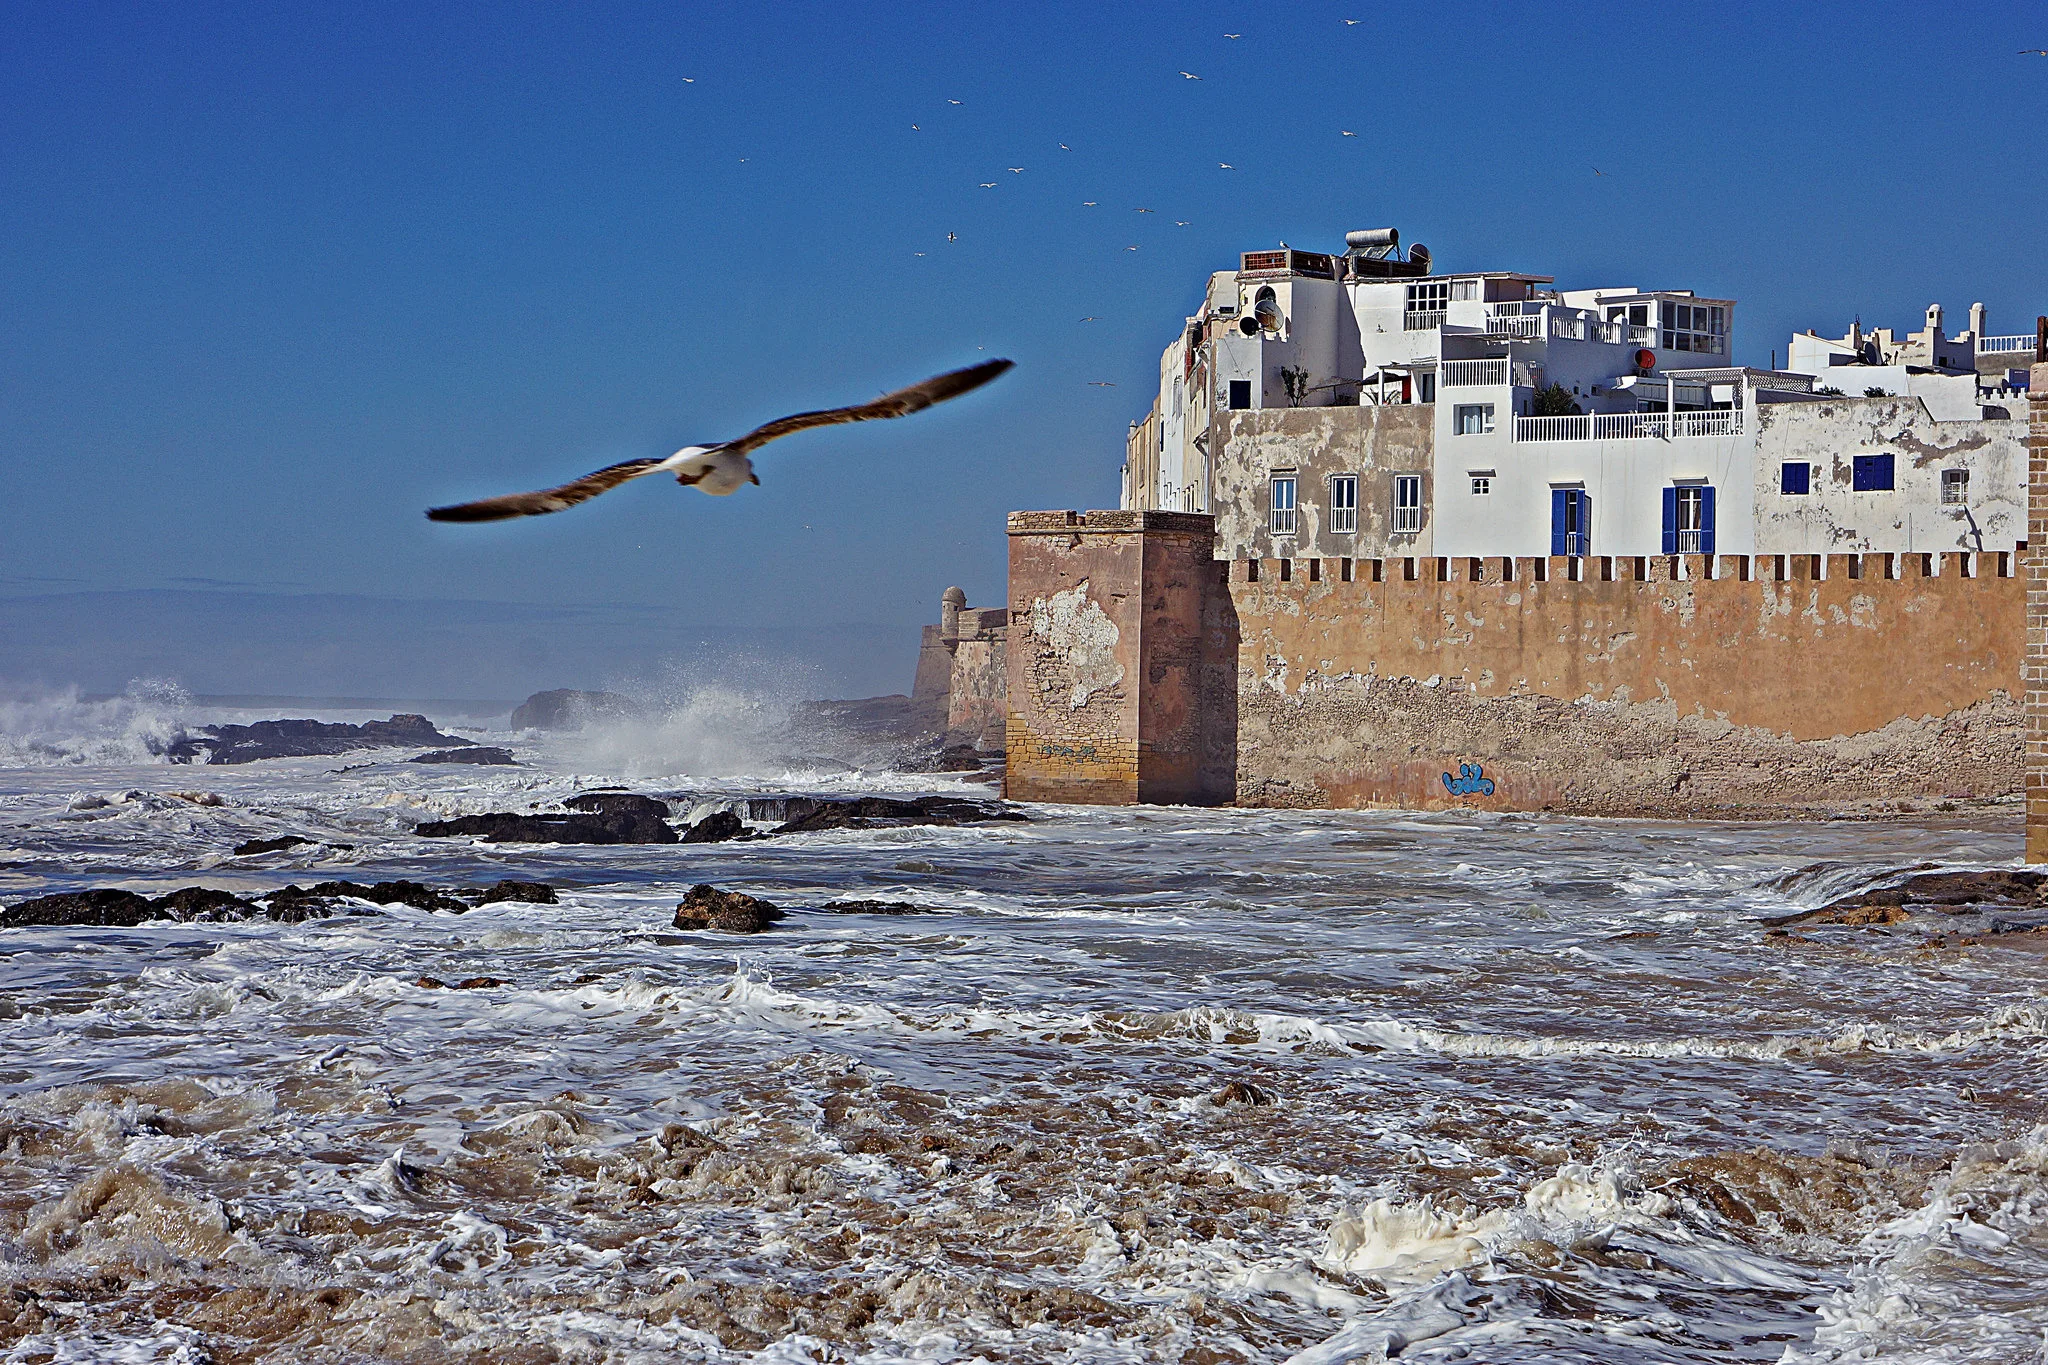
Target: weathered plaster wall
[
  {"x": 2036, "y": 570},
  {"x": 1370, "y": 441},
  {"x": 1107, "y": 661},
  {"x": 1654, "y": 692},
  {"x": 1910, "y": 518}
]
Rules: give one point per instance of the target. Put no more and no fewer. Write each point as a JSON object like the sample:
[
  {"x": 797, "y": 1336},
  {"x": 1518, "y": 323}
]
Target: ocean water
[{"x": 1542, "y": 1089}]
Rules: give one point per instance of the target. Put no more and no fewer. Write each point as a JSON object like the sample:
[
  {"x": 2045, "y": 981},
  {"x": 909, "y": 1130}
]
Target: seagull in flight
[
  {"x": 952, "y": 236},
  {"x": 1349, "y": 22},
  {"x": 688, "y": 80},
  {"x": 2034, "y": 52},
  {"x": 1091, "y": 319},
  {"x": 1347, "y": 132},
  {"x": 1014, "y": 170},
  {"x": 1181, "y": 222},
  {"x": 1225, "y": 165},
  {"x": 1191, "y": 75},
  {"x": 1141, "y": 210},
  {"x": 1065, "y": 148},
  {"x": 1598, "y": 171},
  {"x": 1087, "y": 203},
  {"x": 952, "y": 101},
  {"x": 988, "y": 184},
  {"x": 1233, "y": 35},
  {"x": 1100, "y": 384},
  {"x": 723, "y": 468},
  {"x": 915, "y": 129},
  {"x": 1130, "y": 248}
]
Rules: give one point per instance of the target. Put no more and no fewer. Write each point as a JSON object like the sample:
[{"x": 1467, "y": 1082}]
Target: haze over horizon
[{"x": 279, "y": 281}]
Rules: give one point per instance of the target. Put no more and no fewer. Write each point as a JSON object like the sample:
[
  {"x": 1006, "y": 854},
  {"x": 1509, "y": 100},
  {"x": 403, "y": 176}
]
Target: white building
[{"x": 1584, "y": 421}]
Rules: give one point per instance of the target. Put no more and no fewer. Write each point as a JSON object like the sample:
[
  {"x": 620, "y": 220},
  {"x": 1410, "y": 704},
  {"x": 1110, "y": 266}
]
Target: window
[
  {"x": 1695, "y": 327},
  {"x": 1240, "y": 395},
  {"x": 1474, "y": 419},
  {"x": 1482, "y": 482},
  {"x": 1795, "y": 478},
  {"x": 1689, "y": 520},
  {"x": 1870, "y": 474},
  {"x": 1426, "y": 304},
  {"x": 1407, "y": 504},
  {"x": 1283, "y": 504},
  {"x": 1425, "y": 387},
  {"x": 1343, "y": 503},
  {"x": 1571, "y": 521},
  {"x": 1955, "y": 487}
]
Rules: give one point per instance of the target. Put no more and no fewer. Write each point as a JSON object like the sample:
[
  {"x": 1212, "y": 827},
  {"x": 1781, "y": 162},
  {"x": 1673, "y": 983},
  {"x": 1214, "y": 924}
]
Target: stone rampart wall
[{"x": 1663, "y": 685}]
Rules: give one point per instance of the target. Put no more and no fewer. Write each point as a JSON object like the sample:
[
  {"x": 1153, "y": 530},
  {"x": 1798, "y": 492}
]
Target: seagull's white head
[{"x": 711, "y": 469}]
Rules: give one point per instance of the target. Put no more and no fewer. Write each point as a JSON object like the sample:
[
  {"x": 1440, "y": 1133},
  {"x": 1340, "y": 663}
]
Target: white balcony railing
[
  {"x": 1468, "y": 374},
  {"x": 1641, "y": 336},
  {"x": 1575, "y": 543},
  {"x": 2003, "y": 345},
  {"x": 1527, "y": 328},
  {"x": 1407, "y": 520},
  {"x": 1629, "y": 426},
  {"x": 1689, "y": 541},
  {"x": 1421, "y": 322}
]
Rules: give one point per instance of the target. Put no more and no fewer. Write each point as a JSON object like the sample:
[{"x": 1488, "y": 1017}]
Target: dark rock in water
[
  {"x": 707, "y": 907},
  {"x": 877, "y": 812},
  {"x": 381, "y": 893},
  {"x": 1949, "y": 893},
  {"x": 568, "y": 709},
  {"x": 277, "y": 845},
  {"x": 480, "y": 983},
  {"x": 106, "y": 908},
  {"x": 875, "y": 908},
  {"x": 947, "y": 758},
  {"x": 715, "y": 828},
  {"x": 1241, "y": 1092},
  {"x": 300, "y": 738},
  {"x": 615, "y": 818},
  {"x": 531, "y": 893},
  {"x": 478, "y": 753},
  {"x": 205, "y": 904}
]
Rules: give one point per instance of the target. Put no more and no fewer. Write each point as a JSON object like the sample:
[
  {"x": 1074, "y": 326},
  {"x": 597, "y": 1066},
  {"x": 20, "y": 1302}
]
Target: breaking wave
[{"x": 53, "y": 728}]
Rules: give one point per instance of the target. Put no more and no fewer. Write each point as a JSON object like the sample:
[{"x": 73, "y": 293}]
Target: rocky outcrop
[
  {"x": 302, "y": 738},
  {"x": 477, "y": 753},
  {"x": 1948, "y": 893},
  {"x": 601, "y": 818},
  {"x": 732, "y": 912},
  {"x": 716, "y": 828},
  {"x": 251, "y": 847},
  {"x": 875, "y": 908},
  {"x": 115, "y": 908},
  {"x": 810, "y": 815},
  {"x": 566, "y": 708}
]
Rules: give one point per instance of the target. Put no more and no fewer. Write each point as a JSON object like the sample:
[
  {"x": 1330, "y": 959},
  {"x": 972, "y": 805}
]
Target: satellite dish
[
  {"x": 1267, "y": 312},
  {"x": 1419, "y": 255},
  {"x": 1249, "y": 326}
]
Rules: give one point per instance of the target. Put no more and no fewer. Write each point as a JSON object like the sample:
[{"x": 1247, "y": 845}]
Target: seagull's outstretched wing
[
  {"x": 547, "y": 499},
  {"x": 901, "y": 403}
]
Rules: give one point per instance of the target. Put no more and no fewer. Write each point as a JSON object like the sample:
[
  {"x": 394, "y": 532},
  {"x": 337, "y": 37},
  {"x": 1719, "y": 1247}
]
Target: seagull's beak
[{"x": 753, "y": 478}]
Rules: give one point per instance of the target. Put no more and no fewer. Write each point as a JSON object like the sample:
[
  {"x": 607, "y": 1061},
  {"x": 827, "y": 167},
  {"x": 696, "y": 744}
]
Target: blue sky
[{"x": 278, "y": 278}]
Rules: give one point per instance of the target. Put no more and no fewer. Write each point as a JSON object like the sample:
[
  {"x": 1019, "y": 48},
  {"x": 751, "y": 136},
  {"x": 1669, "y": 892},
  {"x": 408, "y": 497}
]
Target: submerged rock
[
  {"x": 282, "y": 842},
  {"x": 414, "y": 894},
  {"x": 1241, "y": 1092},
  {"x": 531, "y": 893},
  {"x": 480, "y": 753},
  {"x": 808, "y": 815},
  {"x": 602, "y": 818},
  {"x": 565, "y": 708},
  {"x": 1948, "y": 893},
  {"x": 303, "y": 738},
  {"x": 715, "y": 828},
  {"x": 734, "y": 912},
  {"x": 205, "y": 903},
  {"x": 860, "y": 907},
  {"x": 107, "y": 908}
]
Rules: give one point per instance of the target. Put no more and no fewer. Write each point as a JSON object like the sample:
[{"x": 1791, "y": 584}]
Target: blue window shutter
[
  {"x": 1558, "y": 499},
  {"x": 1884, "y": 472},
  {"x": 1707, "y": 521},
  {"x": 1585, "y": 522},
  {"x": 1671, "y": 521}
]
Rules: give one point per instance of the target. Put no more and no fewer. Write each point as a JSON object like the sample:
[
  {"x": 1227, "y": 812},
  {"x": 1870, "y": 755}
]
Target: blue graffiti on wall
[{"x": 1470, "y": 781}]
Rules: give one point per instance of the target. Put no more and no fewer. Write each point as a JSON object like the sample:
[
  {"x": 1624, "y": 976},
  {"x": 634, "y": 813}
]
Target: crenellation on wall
[{"x": 2035, "y": 578}]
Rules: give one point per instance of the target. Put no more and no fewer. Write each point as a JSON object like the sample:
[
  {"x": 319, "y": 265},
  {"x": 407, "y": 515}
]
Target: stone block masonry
[
  {"x": 1670, "y": 686},
  {"x": 2036, "y": 571}
]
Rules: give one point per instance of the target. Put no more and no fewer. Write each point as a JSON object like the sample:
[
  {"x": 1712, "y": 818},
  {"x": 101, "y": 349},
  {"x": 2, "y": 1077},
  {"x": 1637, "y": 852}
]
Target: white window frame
[
  {"x": 1955, "y": 487},
  {"x": 1282, "y": 500},
  {"x": 1480, "y": 416},
  {"x": 1343, "y": 504},
  {"x": 1407, "y": 504},
  {"x": 1482, "y": 482},
  {"x": 1690, "y": 517}
]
